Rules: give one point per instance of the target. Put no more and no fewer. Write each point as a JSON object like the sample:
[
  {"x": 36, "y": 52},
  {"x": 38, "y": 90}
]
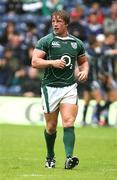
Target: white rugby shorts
[{"x": 53, "y": 96}]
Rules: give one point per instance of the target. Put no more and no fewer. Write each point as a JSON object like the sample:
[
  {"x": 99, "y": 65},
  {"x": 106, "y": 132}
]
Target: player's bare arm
[
  {"x": 83, "y": 68},
  {"x": 39, "y": 62}
]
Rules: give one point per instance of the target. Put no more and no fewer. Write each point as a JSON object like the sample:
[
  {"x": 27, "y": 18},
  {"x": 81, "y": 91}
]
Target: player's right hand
[{"x": 59, "y": 63}]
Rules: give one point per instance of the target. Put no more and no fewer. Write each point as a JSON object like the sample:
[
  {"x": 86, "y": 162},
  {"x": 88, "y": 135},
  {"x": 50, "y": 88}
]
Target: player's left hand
[{"x": 82, "y": 76}]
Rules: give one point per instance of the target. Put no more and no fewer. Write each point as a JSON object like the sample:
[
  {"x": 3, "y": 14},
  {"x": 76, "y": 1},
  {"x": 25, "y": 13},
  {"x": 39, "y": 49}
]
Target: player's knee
[
  {"x": 51, "y": 128},
  {"x": 68, "y": 122}
]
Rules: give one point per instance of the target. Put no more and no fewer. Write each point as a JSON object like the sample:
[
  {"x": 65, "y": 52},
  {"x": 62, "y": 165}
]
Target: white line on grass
[
  {"x": 33, "y": 175},
  {"x": 27, "y": 175}
]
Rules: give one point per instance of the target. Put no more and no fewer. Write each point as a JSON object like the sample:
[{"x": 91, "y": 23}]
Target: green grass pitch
[{"x": 22, "y": 154}]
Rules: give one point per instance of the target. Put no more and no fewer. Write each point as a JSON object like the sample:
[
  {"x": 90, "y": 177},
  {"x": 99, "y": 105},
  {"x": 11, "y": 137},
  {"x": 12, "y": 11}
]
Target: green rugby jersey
[{"x": 55, "y": 47}]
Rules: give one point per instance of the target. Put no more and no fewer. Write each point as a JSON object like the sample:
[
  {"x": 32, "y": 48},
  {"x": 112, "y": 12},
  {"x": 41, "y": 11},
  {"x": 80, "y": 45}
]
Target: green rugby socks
[
  {"x": 69, "y": 140},
  {"x": 50, "y": 141}
]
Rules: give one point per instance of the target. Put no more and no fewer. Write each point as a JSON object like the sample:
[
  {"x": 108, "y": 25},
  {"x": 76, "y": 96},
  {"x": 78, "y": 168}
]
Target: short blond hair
[{"x": 63, "y": 14}]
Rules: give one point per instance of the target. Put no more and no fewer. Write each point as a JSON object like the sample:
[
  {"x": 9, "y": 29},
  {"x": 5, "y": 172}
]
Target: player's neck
[{"x": 63, "y": 35}]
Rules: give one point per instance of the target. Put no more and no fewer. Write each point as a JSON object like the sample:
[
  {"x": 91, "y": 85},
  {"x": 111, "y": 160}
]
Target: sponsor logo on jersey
[
  {"x": 74, "y": 45},
  {"x": 56, "y": 44},
  {"x": 67, "y": 59}
]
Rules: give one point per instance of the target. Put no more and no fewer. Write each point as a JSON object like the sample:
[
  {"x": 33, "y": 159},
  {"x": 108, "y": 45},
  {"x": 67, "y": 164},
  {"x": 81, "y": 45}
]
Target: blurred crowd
[{"x": 23, "y": 22}]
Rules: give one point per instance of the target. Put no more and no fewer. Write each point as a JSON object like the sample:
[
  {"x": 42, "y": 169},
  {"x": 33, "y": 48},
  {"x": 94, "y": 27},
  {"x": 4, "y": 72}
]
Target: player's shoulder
[
  {"x": 48, "y": 37},
  {"x": 45, "y": 40},
  {"x": 80, "y": 43}
]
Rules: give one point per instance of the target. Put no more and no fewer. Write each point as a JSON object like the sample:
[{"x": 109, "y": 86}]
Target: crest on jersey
[{"x": 74, "y": 45}]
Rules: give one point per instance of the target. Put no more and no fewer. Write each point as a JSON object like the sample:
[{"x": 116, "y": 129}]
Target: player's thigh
[{"x": 68, "y": 114}]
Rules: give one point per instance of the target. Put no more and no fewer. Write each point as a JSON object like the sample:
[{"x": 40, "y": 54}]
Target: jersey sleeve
[
  {"x": 42, "y": 45},
  {"x": 81, "y": 49}
]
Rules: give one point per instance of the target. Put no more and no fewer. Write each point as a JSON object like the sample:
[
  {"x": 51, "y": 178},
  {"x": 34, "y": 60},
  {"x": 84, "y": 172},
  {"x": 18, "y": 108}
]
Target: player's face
[{"x": 59, "y": 26}]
